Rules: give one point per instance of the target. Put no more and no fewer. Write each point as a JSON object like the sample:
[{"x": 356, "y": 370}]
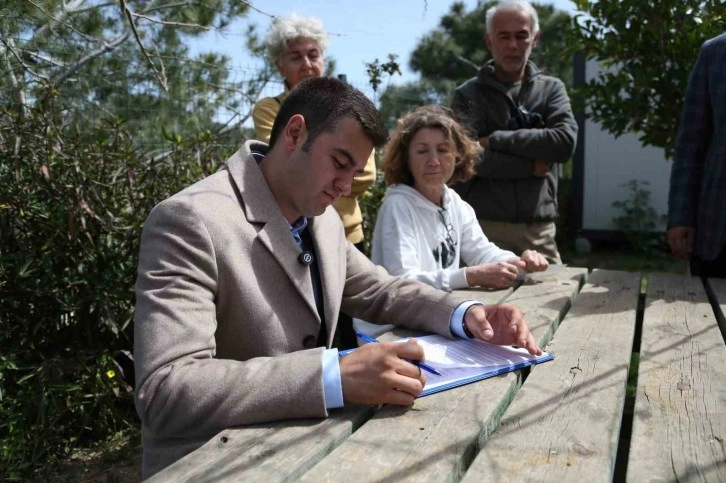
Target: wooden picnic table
[{"x": 637, "y": 392}]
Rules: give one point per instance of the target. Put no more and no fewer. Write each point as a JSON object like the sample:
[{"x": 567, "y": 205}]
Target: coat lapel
[
  {"x": 331, "y": 262},
  {"x": 261, "y": 209}
]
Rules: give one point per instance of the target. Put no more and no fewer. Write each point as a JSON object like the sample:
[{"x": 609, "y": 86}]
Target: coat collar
[
  {"x": 486, "y": 73},
  {"x": 261, "y": 209}
]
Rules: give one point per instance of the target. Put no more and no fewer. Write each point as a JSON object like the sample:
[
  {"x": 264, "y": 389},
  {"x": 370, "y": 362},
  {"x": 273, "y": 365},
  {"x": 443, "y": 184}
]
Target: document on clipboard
[{"x": 462, "y": 361}]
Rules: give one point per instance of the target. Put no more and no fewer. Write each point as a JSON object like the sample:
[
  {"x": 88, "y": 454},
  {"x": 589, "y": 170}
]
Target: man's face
[
  {"x": 322, "y": 174},
  {"x": 510, "y": 42}
]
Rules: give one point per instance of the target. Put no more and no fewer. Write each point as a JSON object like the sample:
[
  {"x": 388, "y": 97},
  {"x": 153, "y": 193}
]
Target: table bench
[{"x": 637, "y": 392}]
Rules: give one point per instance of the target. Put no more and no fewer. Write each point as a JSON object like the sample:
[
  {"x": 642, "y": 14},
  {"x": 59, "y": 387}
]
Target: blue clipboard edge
[{"x": 486, "y": 375}]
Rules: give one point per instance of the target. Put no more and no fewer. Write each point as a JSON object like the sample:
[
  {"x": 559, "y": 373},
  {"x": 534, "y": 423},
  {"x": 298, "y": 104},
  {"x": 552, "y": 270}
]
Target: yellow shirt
[{"x": 264, "y": 114}]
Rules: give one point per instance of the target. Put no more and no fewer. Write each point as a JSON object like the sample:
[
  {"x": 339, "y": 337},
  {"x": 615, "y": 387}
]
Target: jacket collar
[
  {"x": 260, "y": 208},
  {"x": 486, "y": 73}
]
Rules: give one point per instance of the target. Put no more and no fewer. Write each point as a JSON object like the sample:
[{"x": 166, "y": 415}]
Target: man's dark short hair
[{"x": 324, "y": 102}]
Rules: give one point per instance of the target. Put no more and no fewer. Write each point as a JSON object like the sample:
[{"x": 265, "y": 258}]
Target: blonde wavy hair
[{"x": 395, "y": 153}]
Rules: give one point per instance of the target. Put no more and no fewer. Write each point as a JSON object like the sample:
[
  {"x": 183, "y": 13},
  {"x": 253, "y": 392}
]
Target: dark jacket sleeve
[
  {"x": 555, "y": 143},
  {"x": 694, "y": 135},
  {"x": 492, "y": 164},
  {"x": 498, "y": 165}
]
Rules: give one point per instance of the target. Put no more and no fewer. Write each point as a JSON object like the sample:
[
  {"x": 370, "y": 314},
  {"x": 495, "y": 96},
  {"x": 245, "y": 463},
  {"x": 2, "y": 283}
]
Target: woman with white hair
[{"x": 296, "y": 45}]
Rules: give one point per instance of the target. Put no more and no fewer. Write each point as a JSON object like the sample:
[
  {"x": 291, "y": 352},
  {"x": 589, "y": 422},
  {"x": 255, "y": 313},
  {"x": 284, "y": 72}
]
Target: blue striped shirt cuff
[
  {"x": 457, "y": 318},
  {"x": 332, "y": 386}
]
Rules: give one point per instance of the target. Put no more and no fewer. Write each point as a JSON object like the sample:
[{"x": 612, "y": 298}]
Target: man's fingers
[
  {"x": 409, "y": 350},
  {"x": 477, "y": 323},
  {"x": 412, "y": 385},
  {"x": 400, "y": 398},
  {"x": 526, "y": 339}
]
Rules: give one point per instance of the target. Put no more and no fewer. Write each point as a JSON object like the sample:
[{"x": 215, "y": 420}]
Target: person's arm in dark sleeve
[
  {"x": 694, "y": 135},
  {"x": 491, "y": 164},
  {"x": 555, "y": 143}
]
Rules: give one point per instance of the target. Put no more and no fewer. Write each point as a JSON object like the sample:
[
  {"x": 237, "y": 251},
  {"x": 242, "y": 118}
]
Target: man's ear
[
  {"x": 536, "y": 38},
  {"x": 295, "y": 132}
]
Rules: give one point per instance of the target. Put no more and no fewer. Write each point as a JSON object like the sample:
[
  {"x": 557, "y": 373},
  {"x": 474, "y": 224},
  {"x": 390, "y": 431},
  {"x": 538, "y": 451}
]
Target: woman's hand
[
  {"x": 494, "y": 275},
  {"x": 534, "y": 261}
]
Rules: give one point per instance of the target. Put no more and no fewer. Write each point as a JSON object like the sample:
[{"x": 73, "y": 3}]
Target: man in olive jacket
[{"x": 524, "y": 122}]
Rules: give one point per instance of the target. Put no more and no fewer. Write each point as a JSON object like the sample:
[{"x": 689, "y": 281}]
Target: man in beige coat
[{"x": 233, "y": 321}]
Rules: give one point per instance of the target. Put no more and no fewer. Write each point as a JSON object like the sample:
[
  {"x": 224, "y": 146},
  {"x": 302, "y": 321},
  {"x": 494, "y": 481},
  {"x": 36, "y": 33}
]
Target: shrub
[
  {"x": 638, "y": 219},
  {"x": 370, "y": 203},
  {"x": 71, "y": 211}
]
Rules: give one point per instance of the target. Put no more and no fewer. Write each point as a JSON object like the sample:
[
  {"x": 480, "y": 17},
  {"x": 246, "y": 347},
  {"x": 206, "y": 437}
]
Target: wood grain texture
[
  {"x": 679, "y": 425},
  {"x": 437, "y": 437},
  {"x": 564, "y": 423},
  {"x": 271, "y": 452}
]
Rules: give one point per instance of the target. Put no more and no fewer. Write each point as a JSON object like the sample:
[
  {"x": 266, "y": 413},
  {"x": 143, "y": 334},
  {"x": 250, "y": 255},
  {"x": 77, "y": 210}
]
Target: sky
[{"x": 359, "y": 31}]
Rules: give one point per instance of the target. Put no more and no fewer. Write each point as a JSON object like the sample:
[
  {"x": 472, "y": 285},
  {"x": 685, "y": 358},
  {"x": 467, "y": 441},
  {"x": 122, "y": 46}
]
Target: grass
[
  {"x": 619, "y": 256},
  {"x": 116, "y": 460}
]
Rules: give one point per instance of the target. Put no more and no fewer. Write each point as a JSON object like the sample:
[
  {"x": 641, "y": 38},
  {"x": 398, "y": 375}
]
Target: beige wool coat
[{"x": 226, "y": 323}]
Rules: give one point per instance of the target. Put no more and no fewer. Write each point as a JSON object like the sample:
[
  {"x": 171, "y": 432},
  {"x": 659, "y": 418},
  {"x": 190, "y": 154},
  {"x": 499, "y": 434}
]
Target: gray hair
[
  {"x": 293, "y": 27},
  {"x": 518, "y": 5}
]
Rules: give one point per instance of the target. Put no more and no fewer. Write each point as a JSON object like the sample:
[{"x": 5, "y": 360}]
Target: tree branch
[
  {"x": 44, "y": 58},
  {"x": 107, "y": 47},
  {"x": 468, "y": 62},
  {"x": 20, "y": 93},
  {"x": 168, "y": 5},
  {"x": 60, "y": 19},
  {"x": 171, "y": 24},
  {"x": 68, "y": 9},
  {"x": 10, "y": 47},
  {"x": 249, "y": 5},
  {"x": 159, "y": 75}
]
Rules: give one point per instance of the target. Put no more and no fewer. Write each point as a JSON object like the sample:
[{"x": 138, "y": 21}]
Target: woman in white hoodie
[{"x": 424, "y": 230}]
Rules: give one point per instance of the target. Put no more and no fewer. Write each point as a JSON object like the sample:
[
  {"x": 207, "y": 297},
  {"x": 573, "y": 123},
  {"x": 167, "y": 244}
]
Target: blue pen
[{"x": 422, "y": 365}]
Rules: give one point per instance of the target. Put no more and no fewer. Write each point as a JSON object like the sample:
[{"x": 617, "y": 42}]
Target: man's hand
[
  {"x": 484, "y": 142},
  {"x": 534, "y": 260},
  {"x": 378, "y": 373},
  {"x": 540, "y": 168},
  {"x": 501, "y": 324},
  {"x": 494, "y": 275},
  {"x": 680, "y": 239}
]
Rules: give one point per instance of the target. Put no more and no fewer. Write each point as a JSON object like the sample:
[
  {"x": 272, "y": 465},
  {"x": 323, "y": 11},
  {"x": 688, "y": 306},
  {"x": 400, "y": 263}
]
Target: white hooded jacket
[{"x": 416, "y": 239}]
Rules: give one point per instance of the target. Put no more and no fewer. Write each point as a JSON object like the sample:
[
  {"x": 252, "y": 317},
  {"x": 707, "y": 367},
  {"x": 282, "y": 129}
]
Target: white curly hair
[{"x": 293, "y": 27}]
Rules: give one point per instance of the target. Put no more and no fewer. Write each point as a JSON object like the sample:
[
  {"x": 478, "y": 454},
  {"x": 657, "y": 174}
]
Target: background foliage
[
  {"x": 102, "y": 115},
  {"x": 648, "y": 49},
  {"x": 70, "y": 215}
]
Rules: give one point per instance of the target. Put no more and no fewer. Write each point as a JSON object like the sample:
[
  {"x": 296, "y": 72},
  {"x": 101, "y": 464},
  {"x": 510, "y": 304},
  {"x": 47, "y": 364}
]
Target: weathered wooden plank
[
  {"x": 679, "y": 423},
  {"x": 266, "y": 452},
  {"x": 436, "y": 438},
  {"x": 565, "y": 421}
]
